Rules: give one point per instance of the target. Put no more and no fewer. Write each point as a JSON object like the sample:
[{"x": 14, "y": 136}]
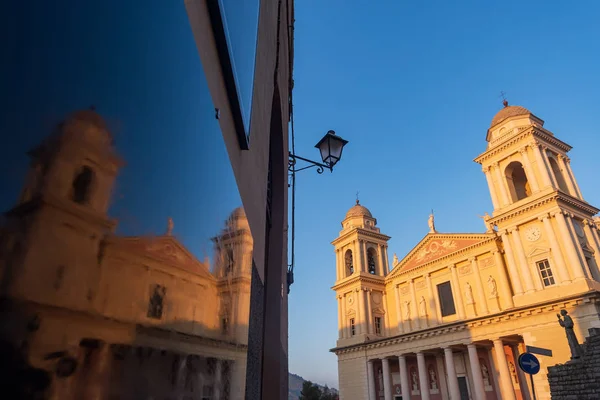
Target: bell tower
[
  {"x": 546, "y": 226},
  {"x": 55, "y": 232},
  {"x": 361, "y": 267}
]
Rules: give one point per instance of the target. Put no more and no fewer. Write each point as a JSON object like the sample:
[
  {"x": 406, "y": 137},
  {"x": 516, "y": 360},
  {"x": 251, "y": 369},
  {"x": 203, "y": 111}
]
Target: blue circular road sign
[{"x": 529, "y": 363}]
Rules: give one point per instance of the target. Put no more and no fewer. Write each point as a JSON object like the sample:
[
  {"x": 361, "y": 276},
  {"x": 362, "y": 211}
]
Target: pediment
[
  {"x": 435, "y": 246},
  {"x": 538, "y": 251},
  {"x": 165, "y": 249}
]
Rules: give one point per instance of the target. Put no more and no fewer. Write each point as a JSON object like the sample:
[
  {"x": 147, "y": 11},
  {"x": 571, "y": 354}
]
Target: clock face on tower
[{"x": 533, "y": 234}]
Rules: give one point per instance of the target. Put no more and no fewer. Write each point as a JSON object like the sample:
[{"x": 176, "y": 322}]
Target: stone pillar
[
  {"x": 571, "y": 175},
  {"x": 387, "y": 385},
  {"x": 476, "y": 372},
  {"x": 423, "y": 376},
  {"x": 360, "y": 326},
  {"x": 357, "y": 258},
  {"x": 371, "y": 380},
  {"x": 591, "y": 239},
  {"x": 386, "y": 324},
  {"x": 218, "y": 379},
  {"x": 439, "y": 362},
  {"x": 512, "y": 266},
  {"x": 404, "y": 384},
  {"x": 525, "y": 270},
  {"x": 341, "y": 316},
  {"x": 436, "y": 316},
  {"x": 451, "y": 372},
  {"x": 566, "y": 176},
  {"x": 542, "y": 167},
  {"x": 553, "y": 180},
  {"x": 577, "y": 243},
  {"x": 529, "y": 170},
  {"x": 415, "y": 306},
  {"x": 500, "y": 182},
  {"x": 562, "y": 274},
  {"x": 386, "y": 260},
  {"x": 398, "y": 309},
  {"x": 479, "y": 286},
  {"x": 490, "y": 182},
  {"x": 338, "y": 263},
  {"x": 381, "y": 262},
  {"x": 457, "y": 292},
  {"x": 369, "y": 313},
  {"x": 363, "y": 256},
  {"x": 576, "y": 267},
  {"x": 97, "y": 385},
  {"x": 508, "y": 392},
  {"x": 504, "y": 284}
]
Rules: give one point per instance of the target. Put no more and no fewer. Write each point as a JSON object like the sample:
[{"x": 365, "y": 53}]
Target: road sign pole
[{"x": 532, "y": 387}]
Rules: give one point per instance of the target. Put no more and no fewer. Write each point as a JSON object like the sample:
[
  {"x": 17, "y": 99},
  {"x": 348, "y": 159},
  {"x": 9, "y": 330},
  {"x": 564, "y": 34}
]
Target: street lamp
[{"x": 330, "y": 147}]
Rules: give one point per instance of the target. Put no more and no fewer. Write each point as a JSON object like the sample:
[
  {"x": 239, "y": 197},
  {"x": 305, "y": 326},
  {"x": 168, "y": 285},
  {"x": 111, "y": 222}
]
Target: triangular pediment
[
  {"x": 165, "y": 249},
  {"x": 538, "y": 251},
  {"x": 437, "y": 245}
]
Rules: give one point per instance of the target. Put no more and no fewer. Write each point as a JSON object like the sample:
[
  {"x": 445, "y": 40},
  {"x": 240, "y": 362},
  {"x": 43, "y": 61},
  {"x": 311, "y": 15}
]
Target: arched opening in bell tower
[
  {"x": 349, "y": 262},
  {"x": 518, "y": 185},
  {"x": 82, "y": 185},
  {"x": 371, "y": 264},
  {"x": 560, "y": 179}
]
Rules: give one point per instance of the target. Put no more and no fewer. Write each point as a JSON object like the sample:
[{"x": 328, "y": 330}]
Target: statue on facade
[
  {"x": 380, "y": 378},
  {"x": 155, "y": 306},
  {"x": 415, "y": 383},
  {"x": 513, "y": 371},
  {"x": 170, "y": 226},
  {"x": 423, "y": 306},
  {"x": 395, "y": 259},
  {"x": 432, "y": 379},
  {"x": 492, "y": 286},
  {"x": 486, "y": 220},
  {"x": 485, "y": 374},
  {"x": 469, "y": 294},
  {"x": 431, "y": 223},
  {"x": 407, "y": 312},
  {"x": 567, "y": 323}
]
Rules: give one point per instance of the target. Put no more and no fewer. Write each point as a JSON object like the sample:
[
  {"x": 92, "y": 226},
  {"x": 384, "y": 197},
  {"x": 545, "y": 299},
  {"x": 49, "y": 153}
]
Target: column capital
[
  {"x": 555, "y": 213},
  {"x": 523, "y": 150},
  {"x": 427, "y": 275},
  {"x": 471, "y": 345},
  {"x": 543, "y": 217},
  {"x": 503, "y": 232},
  {"x": 495, "y": 164},
  {"x": 358, "y": 289},
  {"x": 486, "y": 169},
  {"x": 589, "y": 223},
  {"x": 533, "y": 144},
  {"x": 452, "y": 267},
  {"x": 513, "y": 229},
  {"x": 370, "y": 361},
  {"x": 472, "y": 259},
  {"x": 497, "y": 251}
]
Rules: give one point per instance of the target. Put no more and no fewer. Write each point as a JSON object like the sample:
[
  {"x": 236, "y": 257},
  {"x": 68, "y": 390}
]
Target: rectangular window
[
  {"x": 545, "y": 272},
  {"x": 446, "y": 300},
  {"x": 378, "y": 325},
  {"x": 352, "y": 327}
]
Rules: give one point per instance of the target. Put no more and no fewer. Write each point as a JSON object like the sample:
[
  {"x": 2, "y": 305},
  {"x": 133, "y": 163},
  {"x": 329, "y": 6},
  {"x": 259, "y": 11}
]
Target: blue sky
[{"x": 412, "y": 85}]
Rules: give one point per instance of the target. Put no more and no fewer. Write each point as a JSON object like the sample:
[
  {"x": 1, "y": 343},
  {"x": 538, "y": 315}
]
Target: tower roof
[
  {"x": 507, "y": 112},
  {"x": 358, "y": 211},
  {"x": 89, "y": 116}
]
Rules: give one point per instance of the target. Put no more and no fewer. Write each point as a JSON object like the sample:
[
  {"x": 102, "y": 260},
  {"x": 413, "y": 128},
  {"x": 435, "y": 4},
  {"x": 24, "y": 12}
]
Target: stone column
[
  {"x": 423, "y": 376},
  {"x": 399, "y": 309},
  {"x": 529, "y": 170},
  {"x": 490, "y": 182},
  {"x": 457, "y": 292},
  {"x": 557, "y": 256},
  {"x": 356, "y": 258},
  {"x": 339, "y": 269},
  {"x": 479, "y": 286},
  {"x": 504, "y": 284},
  {"x": 387, "y": 385},
  {"x": 512, "y": 266},
  {"x": 576, "y": 242},
  {"x": 567, "y": 177},
  {"x": 386, "y": 324},
  {"x": 476, "y": 372},
  {"x": 591, "y": 239},
  {"x": 553, "y": 181},
  {"x": 508, "y": 392},
  {"x": 415, "y": 306},
  {"x": 360, "y": 326},
  {"x": 576, "y": 267},
  {"x": 542, "y": 167},
  {"x": 404, "y": 384},
  {"x": 567, "y": 164},
  {"x": 381, "y": 262},
  {"x": 218, "y": 379},
  {"x": 371, "y": 380},
  {"x": 341, "y": 315},
  {"x": 451, "y": 372},
  {"x": 369, "y": 313},
  {"x": 525, "y": 270},
  {"x": 500, "y": 182},
  {"x": 180, "y": 380},
  {"x": 363, "y": 256},
  {"x": 437, "y": 317},
  {"x": 97, "y": 385},
  {"x": 386, "y": 260}
]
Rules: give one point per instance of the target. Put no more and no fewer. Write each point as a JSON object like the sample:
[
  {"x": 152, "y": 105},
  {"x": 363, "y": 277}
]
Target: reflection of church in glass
[
  {"x": 449, "y": 320},
  {"x": 137, "y": 317}
]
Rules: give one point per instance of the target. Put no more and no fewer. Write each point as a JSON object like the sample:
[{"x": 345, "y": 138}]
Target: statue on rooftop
[{"x": 431, "y": 223}]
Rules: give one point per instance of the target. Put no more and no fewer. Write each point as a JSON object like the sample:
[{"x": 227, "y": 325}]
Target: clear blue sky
[{"x": 413, "y": 86}]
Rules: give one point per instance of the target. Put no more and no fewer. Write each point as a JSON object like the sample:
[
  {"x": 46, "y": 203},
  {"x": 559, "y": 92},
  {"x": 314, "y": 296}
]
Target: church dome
[
  {"x": 238, "y": 213},
  {"x": 89, "y": 116},
  {"x": 507, "y": 112},
  {"x": 237, "y": 219},
  {"x": 358, "y": 211}
]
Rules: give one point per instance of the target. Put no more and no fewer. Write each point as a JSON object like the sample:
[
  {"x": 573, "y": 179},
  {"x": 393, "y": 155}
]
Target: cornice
[
  {"x": 361, "y": 278},
  {"x": 360, "y": 232},
  {"x": 507, "y": 315},
  {"x": 530, "y": 132}
]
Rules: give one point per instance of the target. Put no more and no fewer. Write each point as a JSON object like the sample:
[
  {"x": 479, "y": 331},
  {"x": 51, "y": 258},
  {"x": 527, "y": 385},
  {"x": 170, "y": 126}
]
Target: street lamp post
[{"x": 330, "y": 147}]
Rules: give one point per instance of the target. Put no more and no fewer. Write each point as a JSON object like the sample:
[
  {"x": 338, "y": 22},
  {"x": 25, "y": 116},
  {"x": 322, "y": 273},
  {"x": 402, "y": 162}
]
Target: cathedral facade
[
  {"x": 109, "y": 316},
  {"x": 449, "y": 320}
]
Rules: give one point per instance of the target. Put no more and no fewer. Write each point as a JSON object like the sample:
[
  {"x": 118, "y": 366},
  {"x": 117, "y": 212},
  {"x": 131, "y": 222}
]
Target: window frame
[
  {"x": 352, "y": 325},
  {"x": 548, "y": 268},
  {"x": 444, "y": 312},
  {"x": 377, "y": 322}
]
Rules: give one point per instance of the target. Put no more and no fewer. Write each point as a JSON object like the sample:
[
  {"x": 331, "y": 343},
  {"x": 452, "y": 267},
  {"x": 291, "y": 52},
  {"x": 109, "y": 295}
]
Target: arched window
[
  {"x": 371, "y": 261},
  {"x": 229, "y": 261},
  {"x": 82, "y": 185},
  {"x": 560, "y": 179},
  {"x": 349, "y": 263},
  {"x": 517, "y": 181}
]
